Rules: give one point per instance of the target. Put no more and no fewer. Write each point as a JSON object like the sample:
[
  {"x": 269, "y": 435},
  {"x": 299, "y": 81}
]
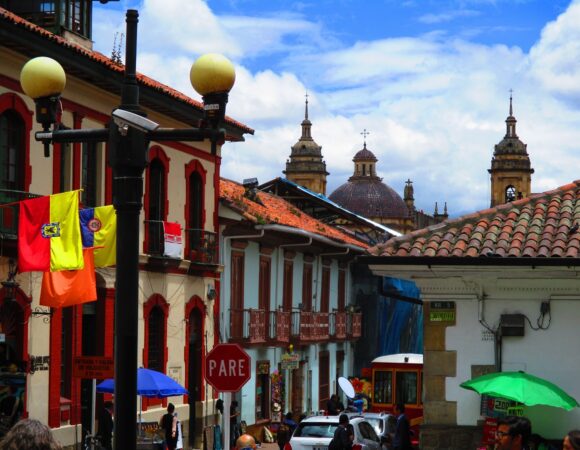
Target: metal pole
[{"x": 127, "y": 154}]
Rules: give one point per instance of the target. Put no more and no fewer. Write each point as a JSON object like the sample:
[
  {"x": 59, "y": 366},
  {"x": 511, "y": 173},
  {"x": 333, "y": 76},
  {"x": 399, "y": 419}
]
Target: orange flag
[{"x": 70, "y": 287}]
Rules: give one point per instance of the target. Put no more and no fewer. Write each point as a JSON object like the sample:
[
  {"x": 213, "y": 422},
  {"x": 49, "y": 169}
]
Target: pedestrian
[
  {"x": 234, "y": 429},
  {"x": 342, "y": 439},
  {"x": 285, "y": 430},
  {"x": 105, "y": 430},
  {"x": 168, "y": 423},
  {"x": 245, "y": 442},
  {"x": 332, "y": 406},
  {"x": 572, "y": 440},
  {"x": 402, "y": 436},
  {"x": 513, "y": 433},
  {"x": 29, "y": 434}
]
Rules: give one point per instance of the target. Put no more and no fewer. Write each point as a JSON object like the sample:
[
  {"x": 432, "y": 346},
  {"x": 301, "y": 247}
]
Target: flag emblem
[
  {"x": 94, "y": 225},
  {"x": 50, "y": 230}
]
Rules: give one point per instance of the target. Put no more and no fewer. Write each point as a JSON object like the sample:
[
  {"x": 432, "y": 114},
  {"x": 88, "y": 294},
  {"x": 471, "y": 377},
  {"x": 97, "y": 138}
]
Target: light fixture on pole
[{"x": 128, "y": 135}]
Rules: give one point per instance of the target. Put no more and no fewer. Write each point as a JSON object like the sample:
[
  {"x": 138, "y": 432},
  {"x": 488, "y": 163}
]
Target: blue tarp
[{"x": 400, "y": 322}]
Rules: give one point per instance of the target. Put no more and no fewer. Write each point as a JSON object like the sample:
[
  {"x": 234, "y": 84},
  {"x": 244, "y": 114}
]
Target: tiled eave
[{"x": 95, "y": 68}]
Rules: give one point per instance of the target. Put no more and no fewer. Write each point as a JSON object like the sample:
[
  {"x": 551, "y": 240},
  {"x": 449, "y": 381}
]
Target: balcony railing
[
  {"x": 354, "y": 325},
  {"x": 9, "y": 213},
  {"x": 309, "y": 326},
  {"x": 279, "y": 327},
  {"x": 248, "y": 326},
  {"x": 200, "y": 246},
  {"x": 338, "y": 325}
]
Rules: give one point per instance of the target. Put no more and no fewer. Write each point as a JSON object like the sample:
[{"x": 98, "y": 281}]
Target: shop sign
[
  {"x": 290, "y": 361},
  {"x": 39, "y": 363},
  {"x": 93, "y": 367},
  {"x": 498, "y": 407},
  {"x": 442, "y": 312}
]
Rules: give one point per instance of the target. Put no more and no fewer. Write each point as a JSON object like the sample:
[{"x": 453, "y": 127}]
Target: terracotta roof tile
[
  {"x": 542, "y": 225},
  {"x": 275, "y": 210},
  {"x": 110, "y": 64}
]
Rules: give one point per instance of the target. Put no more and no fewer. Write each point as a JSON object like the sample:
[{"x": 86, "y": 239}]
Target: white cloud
[{"x": 435, "y": 106}]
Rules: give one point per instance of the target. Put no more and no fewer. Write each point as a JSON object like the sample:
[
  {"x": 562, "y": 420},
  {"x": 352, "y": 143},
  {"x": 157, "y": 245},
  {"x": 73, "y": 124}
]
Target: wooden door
[{"x": 297, "y": 391}]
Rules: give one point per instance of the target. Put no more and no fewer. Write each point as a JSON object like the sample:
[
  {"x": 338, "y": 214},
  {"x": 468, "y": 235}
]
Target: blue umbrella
[{"x": 150, "y": 383}]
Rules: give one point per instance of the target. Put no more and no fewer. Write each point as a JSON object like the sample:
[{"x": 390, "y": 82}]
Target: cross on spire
[{"x": 364, "y": 134}]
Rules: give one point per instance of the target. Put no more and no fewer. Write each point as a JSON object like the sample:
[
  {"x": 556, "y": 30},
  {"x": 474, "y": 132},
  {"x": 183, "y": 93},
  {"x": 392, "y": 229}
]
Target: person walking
[
  {"x": 572, "y": 440},
  {"x": 105, "y": 431},
  {"x": 168, "y": 423},
  {"x": 179, "y": 443},
  {"x": 332, "y": 406},
  {"x": 513, "y": 433},
  {"x": 402, "y": 436}
]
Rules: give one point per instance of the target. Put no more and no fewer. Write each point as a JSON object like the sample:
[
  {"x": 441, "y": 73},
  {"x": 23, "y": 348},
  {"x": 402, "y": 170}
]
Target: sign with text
[
  {"x": 442, "y": 311},
  {"x": 99, "y": 367},
  {"x": 290, "y": 361},
  {"x": 227, "y": 367}
]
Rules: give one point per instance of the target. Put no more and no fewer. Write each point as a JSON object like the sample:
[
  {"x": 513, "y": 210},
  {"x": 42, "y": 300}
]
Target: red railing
[
  {"x": 309, "y": 326},
  {"x": 279, "y": 327},
  {"x": 248, "y": 326},
  {"x": 338, "y": 325}
]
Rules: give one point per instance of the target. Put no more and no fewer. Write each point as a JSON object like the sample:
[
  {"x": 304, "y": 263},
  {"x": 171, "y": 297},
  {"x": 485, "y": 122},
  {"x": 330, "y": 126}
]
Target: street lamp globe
[
  {"x": 212, "y": 73},
  {"x": 42, "y": 77}
]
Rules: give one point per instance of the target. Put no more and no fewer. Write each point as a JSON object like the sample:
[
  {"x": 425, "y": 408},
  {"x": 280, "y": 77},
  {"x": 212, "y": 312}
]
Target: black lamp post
[{"x": 129, "y": 134}]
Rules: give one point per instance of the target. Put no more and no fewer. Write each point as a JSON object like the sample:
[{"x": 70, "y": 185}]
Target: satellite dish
[{"x": 346, "y": 387}]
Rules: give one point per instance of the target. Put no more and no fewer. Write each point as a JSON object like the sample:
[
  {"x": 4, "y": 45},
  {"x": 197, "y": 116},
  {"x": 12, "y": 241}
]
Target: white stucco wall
[{"x": 552, "y": 354}]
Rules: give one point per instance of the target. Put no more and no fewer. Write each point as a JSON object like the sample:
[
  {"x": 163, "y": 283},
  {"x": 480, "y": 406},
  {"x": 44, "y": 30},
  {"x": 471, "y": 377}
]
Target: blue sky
[{"x": 430, "y": 79}]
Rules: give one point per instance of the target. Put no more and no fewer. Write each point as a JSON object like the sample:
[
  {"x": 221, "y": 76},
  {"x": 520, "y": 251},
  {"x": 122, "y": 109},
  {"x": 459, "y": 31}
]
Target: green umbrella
[{"x": 521, "y": 387}]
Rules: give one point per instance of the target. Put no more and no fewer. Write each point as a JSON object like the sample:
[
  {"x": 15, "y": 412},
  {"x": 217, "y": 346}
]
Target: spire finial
[
  {"x": 365, "y": 133},
  {"x": 511, "y": 109},
  {"x": 306, "y": 108}
]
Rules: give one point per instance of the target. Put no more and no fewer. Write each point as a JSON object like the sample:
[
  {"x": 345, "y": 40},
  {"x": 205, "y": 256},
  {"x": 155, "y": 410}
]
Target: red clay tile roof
[
  {"x": 111, "y": 65},
  {"x": 275, "y": 210},
  {"x": 543, "y": 225}
]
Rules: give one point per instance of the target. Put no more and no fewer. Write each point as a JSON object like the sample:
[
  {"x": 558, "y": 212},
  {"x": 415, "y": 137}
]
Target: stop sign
[{"x": 227, "y": 367}]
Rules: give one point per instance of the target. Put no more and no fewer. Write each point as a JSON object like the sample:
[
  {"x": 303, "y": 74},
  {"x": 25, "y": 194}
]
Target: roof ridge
[{"x": 111, "y": 64}]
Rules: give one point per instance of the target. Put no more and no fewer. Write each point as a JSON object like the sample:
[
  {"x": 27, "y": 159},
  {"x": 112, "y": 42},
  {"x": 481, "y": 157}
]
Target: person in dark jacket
[
  {"x": 402, "y": 436},
  {"x": 343, "y": 436},
  {"x": 168, "y": 424},
  {"x": 106, "y": 425}
]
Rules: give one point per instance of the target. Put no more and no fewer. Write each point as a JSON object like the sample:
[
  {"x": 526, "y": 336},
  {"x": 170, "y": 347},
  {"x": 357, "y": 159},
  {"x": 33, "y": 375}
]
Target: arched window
[
  {"x": 510, "y": 193},
  {"x": 155, "y": 346},
  {"x": 195, "y": 209},
  {"x": 12, "y": 148},
  {"x": 156, "y": 201}
]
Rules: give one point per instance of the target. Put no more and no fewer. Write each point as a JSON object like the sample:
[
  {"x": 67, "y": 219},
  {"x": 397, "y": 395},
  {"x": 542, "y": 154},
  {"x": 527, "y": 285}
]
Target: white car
[{"x": 316, "y": 432}]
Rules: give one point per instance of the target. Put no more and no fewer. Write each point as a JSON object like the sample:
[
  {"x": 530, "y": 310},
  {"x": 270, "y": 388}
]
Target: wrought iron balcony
[
  {"x": 354, "y": 325},
  {"x": 279, "y": 328},
  {"x": 248, "y": 326},
  {"x": 9, "y": 213},
  {"x": 202, "y": 246}
]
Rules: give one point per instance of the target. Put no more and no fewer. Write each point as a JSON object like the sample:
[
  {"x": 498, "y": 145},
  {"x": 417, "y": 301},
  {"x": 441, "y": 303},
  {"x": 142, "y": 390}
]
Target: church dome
[
  {"x": 364, "y": 155},
  {"x": 365, "y": 193},
  {"x": 370, "y": 198}
]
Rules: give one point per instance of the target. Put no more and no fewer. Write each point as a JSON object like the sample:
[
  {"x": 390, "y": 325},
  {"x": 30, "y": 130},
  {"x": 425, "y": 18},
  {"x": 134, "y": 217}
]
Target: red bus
[{"x": 397, "y": 379}]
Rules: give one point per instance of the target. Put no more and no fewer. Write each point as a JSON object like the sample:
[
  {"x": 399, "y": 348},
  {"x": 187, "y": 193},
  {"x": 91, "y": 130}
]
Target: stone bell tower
[
  {"x": 306, "y": 166},
  {"x": 511, "y": 171}
]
